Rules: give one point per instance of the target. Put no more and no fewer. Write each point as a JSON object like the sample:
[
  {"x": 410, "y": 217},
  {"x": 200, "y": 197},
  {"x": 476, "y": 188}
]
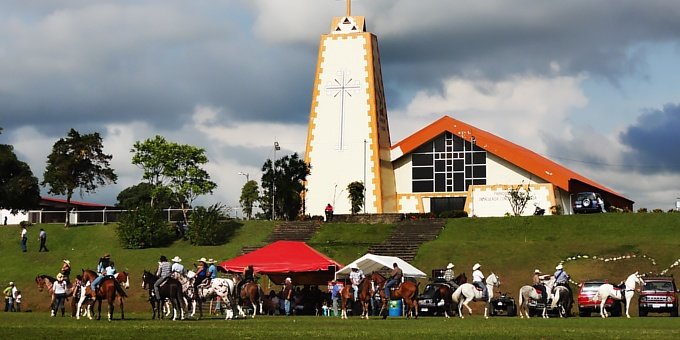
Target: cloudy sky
[{"x": 592, "y": 85}]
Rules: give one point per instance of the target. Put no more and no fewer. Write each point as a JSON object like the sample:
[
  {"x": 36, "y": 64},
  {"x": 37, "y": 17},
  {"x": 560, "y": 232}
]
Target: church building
[{"x": 447, "y": 165}]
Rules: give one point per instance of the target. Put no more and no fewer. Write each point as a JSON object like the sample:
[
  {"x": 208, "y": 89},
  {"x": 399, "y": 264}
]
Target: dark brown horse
[
  {"x": 251, "y": 292},
  {"x": 365, "y": 293},
  {"x": 407, "y": 290},
  {"x": 108, "y": 289},
  {"x": 444, "y": 292},
  {"x": 89, "y": 275}
]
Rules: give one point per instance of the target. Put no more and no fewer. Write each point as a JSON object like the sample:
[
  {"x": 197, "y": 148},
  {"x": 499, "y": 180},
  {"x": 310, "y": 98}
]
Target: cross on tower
[
  {"x": 343, "y": 86},
  {"x": 349, "y": 8}
]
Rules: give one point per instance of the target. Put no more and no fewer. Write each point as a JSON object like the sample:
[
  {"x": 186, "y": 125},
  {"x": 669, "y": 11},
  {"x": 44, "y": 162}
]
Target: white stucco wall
[{"x": 12, "y": 219}]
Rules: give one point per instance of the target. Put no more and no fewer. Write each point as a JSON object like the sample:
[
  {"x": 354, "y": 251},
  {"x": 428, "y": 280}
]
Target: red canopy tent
[{"x": 283, "y": 259}]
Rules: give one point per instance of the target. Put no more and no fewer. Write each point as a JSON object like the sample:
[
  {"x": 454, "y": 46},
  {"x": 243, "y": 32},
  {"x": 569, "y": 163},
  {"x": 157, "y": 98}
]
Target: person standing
[
  {"x": 42, "y": 237},
  {"x": 163, "y": 272},
  {"x": 329, "y": 213},
  {"x": 9, "y": 302},
  {"x": 24, "y": 238},
  {"x": 478, "y": 279},
  {"x": 66, "y": 270},
  {"x": 335, "y": 296},
  {"x": 59, "y": 289},
  {"x": 17, "y": 301},
  {"x": 287, "y": 295},
  {"x": 395, "y": 279}
]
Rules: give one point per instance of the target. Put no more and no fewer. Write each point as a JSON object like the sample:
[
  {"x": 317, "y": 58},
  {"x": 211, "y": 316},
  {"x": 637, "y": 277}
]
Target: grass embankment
[{"x": 513, "y": 247}]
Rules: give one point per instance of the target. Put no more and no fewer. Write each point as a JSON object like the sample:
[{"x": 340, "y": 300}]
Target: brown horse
[
  {"x": 89, "y": 275},
  {"x": 108, "y": 289},
  {"x": 365, "y": 293},
  {"x": 45, "y": 282},
  {"x": 251, "y": 292},
  {"x": 407, "y": 290},
  {"x": 444, "y": 292}
]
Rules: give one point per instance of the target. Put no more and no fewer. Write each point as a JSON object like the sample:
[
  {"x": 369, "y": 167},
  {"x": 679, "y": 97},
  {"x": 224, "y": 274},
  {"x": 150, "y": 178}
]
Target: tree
[
  {"x": 519, "y": 197},
  {"x": 19, "y": 189},
  {"x": 144, "y": 227},
  {"x": 249, "y": 195},
  {"x": 209, "y": 226},
  {"x": 77, "y": 162},
  {"x": 141, "y": 194},
  {"x": 355, "y": 192},
  {"x": 288, "y": 174},
  {"x": 176, "y": 166}
]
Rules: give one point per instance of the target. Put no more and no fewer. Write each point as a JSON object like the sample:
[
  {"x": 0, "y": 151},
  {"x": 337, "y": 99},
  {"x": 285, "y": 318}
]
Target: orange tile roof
[{"x": 513, "y": 153}]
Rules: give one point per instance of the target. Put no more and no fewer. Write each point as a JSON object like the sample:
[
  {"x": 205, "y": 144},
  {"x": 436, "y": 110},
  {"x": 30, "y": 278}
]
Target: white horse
[
  {"x": 224, "y": 288},
  {"x": 529, "y": 292},
  {"x": 606, "y": 290},
  {"x": 470, "y": 293}
]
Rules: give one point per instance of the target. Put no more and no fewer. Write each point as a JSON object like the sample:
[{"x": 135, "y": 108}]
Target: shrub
[
  {"x": 642, "y": 210},
  {"x": 208, "y": 227},
  {"x": 25, "y": 224},
  {"x": 453, "y": 214},
  {"x": 556, "y": 210},
  {"x": 144, "y": 227}
]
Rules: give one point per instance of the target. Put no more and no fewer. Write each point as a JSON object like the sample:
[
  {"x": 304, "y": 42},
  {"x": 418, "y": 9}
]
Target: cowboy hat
[
  {"x": 176, "y": 259},
  {"x": 288, "y": 279},
  {"x": 67, "y": 261},
  {"x": 450, "y": 265},
  {"x": 537, "y": 271},
  {"x": 11, "y": 283},
  {"x": 559, "y": 266},
  {"x": 211, "y": 261},
  {"x": 60, "y": 276},
  {"x": 353, "y": 266},
  {"x": 106, "y": 255},
  {"x": 203, "y": 259},
  {"x": 476, "y": 266}
]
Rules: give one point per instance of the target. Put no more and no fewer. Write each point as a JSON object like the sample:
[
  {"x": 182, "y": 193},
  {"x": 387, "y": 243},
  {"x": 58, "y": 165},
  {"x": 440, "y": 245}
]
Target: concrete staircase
[
  {"x": 289, "y": 231},
  {"x": 407, "y": 237}
]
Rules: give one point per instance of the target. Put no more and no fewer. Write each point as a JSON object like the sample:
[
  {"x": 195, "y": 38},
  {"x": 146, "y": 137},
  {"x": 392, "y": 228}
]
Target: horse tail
[
  {"x": 456, "y": 294},
  {"x": 556, "y": 298},
  {"x": 521, "y": 297},
  {"x": 119, "y": 289}
]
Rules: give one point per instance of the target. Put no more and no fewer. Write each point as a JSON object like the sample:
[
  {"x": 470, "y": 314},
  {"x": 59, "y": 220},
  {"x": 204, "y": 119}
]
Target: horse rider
[
  {"x": 355, "y": 277},
  {"x": 395, "y": 278},
  {"x": 212, "y": 269},
  {"x": 478, "y": 279},
  {"x": 539, "y": 285},
  {"x": 66, "y": 270},
  {"x": 177, "y": 269},
  {"x": 561, "y": 278},
  {"x": 109, "y": 271},
  {"x": 103, "y": 263},
  {"x": 163, "y": 273},
  {"x": 449, "y": 276},
  {"x": 201, "y": 272},
  {"x": 248, "y": 275}
]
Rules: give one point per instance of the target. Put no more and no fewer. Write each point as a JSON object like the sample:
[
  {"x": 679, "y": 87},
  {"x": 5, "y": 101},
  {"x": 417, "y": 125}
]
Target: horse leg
[
  {"x": 111, "y": 303},
  {"x": 122, "y": 312},
  {"x": 603, "y": 311},
  {"x": 628, "y": 298}
]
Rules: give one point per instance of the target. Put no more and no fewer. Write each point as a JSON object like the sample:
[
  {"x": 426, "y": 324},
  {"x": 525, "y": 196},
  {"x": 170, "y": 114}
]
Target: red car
[
  {"x": 586, "y": 305},
  {"x": 658, "y": 295}
]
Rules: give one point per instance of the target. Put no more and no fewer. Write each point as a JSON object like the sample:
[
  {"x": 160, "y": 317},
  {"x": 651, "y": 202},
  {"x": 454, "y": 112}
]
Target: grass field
[
  {"x": 511, "y": 247},
  {"x": 138, "y": 326}
]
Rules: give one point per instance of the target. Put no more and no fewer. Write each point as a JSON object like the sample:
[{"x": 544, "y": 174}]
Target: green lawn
[{"x": 138, "y": 326}]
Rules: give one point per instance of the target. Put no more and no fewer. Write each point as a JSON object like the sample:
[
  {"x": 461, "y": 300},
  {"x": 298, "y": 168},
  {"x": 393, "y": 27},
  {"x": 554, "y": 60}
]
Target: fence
[{"x": 92, "y": 216}]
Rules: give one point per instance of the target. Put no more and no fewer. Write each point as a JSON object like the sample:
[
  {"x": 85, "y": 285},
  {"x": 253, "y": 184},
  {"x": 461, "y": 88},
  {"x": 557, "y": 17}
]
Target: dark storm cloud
[{"x": 654, "y": 141}]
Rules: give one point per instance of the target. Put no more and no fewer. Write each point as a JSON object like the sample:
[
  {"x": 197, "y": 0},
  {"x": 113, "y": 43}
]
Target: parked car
[
  {"x": 658, "y": 295},
  {"x": 586, "y": 305},
  {"x": 588, "y": 202},
  {"x": 426, "y": 303}
]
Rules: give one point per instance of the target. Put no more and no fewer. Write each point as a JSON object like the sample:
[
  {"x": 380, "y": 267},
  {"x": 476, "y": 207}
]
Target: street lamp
[
  {"x": 245, "y": 174},
  {"x": 276, "y": 148}
]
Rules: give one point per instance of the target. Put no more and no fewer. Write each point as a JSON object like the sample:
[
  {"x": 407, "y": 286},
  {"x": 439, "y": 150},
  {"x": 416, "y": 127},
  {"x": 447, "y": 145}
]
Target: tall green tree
[
  {"x": 355, "y": 191},
  {"x": 19, "y": 189},
  {"x": 249, "y": 195},
  {"x": 175, "y": 166},
  {"x": 77, "y": 162},
  {"x": 141, "y": 194},
  {"x": 288, "y": 175}
]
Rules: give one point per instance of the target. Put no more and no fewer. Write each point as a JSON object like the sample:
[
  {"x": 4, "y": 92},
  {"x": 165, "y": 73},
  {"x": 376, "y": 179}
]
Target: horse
[
  {"x": 530, "y": 292},
  {"x": 252, "y": 292},
  {"x": 407, "y": 290},
  {"x": 625, "y": 291},
  {"x": 171, "y": 289},
  {"x": 224, "y": 288},
  {"x": 89, "y": 276},
  {"x": 444, "y": 292},
  {"x": 45, "y": 282},
  {"x": 108, "y": 289},
  {"x": 471, "y": 293},
  {"x": 562, "y": 301},
  {"x": 364, "y": 295}
]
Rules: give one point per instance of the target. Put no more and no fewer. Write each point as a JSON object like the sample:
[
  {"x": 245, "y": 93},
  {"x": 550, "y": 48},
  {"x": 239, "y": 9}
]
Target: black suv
[
  {"x": 588, "y": 202},
  {"x": 658, "y": 295}
]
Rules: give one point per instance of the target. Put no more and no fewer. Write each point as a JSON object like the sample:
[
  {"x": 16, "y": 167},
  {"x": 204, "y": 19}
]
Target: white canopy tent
[{"x": 370, "y": 263}]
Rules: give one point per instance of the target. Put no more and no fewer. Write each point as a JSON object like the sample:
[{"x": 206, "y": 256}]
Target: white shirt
[
  {"x": 177, "y": 268},
  {"x": 477, "y": 276},
  {"x": 23, "y": 232},
  {"x": 356, "y": 276}
]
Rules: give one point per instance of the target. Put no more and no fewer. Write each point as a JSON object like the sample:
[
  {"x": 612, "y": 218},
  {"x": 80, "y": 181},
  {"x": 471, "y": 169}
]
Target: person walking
[
  {"x": 335, "y": 296},
  {"x": 24, "y": 238},
  {"x": 287, "y": 295},
  {"x": 59, "y": 289},
  {"x": 42, "y": 237}
]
